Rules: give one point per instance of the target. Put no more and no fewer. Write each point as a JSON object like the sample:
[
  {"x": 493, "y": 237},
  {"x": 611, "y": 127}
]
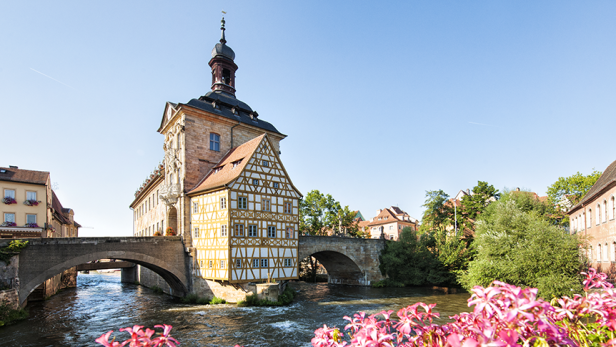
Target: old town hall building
[{"x": 223, "y": 188}]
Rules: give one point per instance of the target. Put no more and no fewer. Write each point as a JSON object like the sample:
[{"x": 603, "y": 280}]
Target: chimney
[
  {"x": 468, "y": 191},
  {"x": 13, "y": 167},
  {"x": 378, "y": 211}
]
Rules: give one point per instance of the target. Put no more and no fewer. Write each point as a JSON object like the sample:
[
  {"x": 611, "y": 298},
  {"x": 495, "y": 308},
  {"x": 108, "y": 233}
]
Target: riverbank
[{"x": 10, "y": 316}]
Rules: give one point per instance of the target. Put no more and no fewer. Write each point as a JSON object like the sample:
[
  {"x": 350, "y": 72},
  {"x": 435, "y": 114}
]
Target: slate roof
[
  {"x": 14, "y": 174},
  {"x": 224, "y": 172},
  {"x": 608, "y": 177},
  {"x": 225, "y": 102}
]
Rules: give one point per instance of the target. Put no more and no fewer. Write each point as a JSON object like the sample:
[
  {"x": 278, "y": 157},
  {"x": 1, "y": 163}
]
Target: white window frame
[
  {"x": 265, "y": 163},
  {"x": 196, "y": 231},
  {"x": 223, "y": 203},
  {"x": 214, "y": 142},
  {"x": 238, "y": 263},
  {"x": 255, "y": 263},
  {"x": 8, "y": 214},
  {"x": 238, "y": 230},
  {"x": 242, "y": 202},
  {"x": 222, "y": 264},
  {"x": 30, "y": 195},
  {"x": 7, "y": 193},
  {"x": 276, "y": 185},
  {"x": 288, "y": 207},
  {"x": 253, "y": 230},
  {"x": 265, "y": 205},
  {"x": 255, "y": 182},
  {"x": 264, "y": 262},
  {"x": 271, "y": 230},
  {"x": 223, "y": 230},
  {"x": 195, "y": 207},
  {"x": 28, "y": 215}
]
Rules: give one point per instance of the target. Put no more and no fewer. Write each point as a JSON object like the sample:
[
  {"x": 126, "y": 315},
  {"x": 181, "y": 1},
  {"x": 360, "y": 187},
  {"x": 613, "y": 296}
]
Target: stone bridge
[
  {"x": 347, "y": 260},
  {"x": 44, "y": 258}
]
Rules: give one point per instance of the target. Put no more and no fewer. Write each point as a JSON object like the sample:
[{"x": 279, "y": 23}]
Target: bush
[
  {"x": 9, "y": 316},
  {"x": 157, "y": 289},
  {"x": 283, "y": 299},
  {"x": 387, "y": 283},
  {"x": 217, "y": 301},
  {"x": 169, "y": 232},
  {"x": 524, "y": 249}
]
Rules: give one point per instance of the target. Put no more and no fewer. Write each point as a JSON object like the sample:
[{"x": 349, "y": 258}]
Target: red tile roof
[
  {"x": 607, "y": 177},
  {"x": 15, "y": 174},
  {"x": 224, "y": 172}
]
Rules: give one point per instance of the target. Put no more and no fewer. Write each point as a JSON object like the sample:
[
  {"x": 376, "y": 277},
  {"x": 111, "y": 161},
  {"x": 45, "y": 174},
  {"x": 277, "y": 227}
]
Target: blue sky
[{"x": 380, "y": 101}]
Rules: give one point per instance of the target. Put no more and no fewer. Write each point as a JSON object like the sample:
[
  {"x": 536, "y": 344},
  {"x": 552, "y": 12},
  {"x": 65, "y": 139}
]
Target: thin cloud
[
  {"x": 487, "y": 125},
  {"x": 52, "y": 78}
]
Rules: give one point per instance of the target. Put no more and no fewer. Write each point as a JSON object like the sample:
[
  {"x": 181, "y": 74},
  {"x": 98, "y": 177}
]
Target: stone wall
[
  {"x": 149, "y": 278},
  {"x": 9, "y": 298}
]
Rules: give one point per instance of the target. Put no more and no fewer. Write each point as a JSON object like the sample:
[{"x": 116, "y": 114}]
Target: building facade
[
  {"x": 200, "y": 137},
  {"x": 388, "y": 223},
  {"x": 595, "y": 218},
  {"x": 31, "y": 209}
]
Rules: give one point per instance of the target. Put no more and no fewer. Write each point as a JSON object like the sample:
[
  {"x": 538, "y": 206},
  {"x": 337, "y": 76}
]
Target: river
[{"x": 77, "y": 316}]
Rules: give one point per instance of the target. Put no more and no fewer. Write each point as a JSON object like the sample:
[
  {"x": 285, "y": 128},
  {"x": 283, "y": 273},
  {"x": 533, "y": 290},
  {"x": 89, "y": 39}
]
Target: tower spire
[{"x": 222, "y": 29}]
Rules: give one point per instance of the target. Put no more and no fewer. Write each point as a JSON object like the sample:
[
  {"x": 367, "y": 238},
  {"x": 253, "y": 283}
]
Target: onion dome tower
[{"x": 223, "y": 67}]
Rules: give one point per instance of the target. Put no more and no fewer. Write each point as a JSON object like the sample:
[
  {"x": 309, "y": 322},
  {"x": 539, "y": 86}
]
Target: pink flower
[{"x": 104, "y": 340}]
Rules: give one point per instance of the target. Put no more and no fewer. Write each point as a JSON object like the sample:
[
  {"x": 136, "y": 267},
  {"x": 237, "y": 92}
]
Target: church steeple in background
[{"x": 223, "y": 67}]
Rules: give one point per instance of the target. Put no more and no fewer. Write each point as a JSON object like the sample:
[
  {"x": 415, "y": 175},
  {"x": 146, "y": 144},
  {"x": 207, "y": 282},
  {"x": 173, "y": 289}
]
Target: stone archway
[
  {"x": 340, "y": 268},
  {"x": 172, "y": 219},
  {"x": 43, "y": 259}
]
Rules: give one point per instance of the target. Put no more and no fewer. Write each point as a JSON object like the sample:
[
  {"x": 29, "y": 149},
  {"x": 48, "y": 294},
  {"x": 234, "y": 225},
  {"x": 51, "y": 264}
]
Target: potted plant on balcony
[
  {"x": 8, "y": 224},
  {"x": 158, "y": 233},
  {"x": 8, "y": 200},
  {"x": 169, "y": 232},
  {"x": 32, "y": 225},
  {"x": 31, "y": 203}
]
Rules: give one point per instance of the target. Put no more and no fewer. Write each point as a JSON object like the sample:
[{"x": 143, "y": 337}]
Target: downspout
[{"x": 238, "y": 123}]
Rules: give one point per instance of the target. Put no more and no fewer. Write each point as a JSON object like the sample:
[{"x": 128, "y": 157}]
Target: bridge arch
[
  {"x": 349, "y": 261},
  {"x": 44, "y": 258}
]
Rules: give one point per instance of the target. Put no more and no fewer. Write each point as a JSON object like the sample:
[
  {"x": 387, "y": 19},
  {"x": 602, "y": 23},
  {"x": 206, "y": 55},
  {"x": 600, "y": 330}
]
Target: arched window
[
  {"x": 226, "y": 76},
  {"x": 590, "y": 217},
  {"x": 590, "y": 254},
  {"x": 604, "y": 211},
  {"x": 614, "y": 251},
  {"x": 606, "y": 252},
  {"x": 613, "y": 208},
  {"x": 598, "y": 253},
  {"x": 598, "y": 214}
]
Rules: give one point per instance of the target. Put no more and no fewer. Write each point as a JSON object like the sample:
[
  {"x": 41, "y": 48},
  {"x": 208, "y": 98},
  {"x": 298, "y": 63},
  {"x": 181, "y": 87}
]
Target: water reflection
[{"x": 100, "y": 303}]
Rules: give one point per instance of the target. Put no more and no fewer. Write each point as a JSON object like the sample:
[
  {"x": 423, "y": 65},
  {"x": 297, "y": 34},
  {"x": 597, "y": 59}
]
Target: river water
[{"x": 76, "y": 317}]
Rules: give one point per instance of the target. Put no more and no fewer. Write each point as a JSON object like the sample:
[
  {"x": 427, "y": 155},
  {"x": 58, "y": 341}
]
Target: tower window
[
  {"x": 214, "y": 142},
  {"x": 226, "y": 76}
]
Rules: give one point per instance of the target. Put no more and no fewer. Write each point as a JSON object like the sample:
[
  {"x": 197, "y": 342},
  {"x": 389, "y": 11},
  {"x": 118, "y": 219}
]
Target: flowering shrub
[
  {"x": 32, "y": 225},
  {"x": 31, "y": 203},
  {"x": 8, "y": 224},
  {"x": 140, "y": 337},
  {"x": 8, "y": 200},
  {"x": 158, "y": 233},
  {"x": 169, "y": 232},
  {"x": 503, "y": 315}
]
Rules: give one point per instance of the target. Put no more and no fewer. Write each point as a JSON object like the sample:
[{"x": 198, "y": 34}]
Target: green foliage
[
  {"x": 573, "y": 188},
  {"x": 9, "y": 316},
  {"x": 217, "y": 301},
  {"x": 474, "y": 204},
  {"x": 319, "y": 213},
  {"x": 387, "y": 283},
  {"x": 283, "y": 299},
  {"x": 11, "y": 250},
  {"x": 410, "y": 261},
  {"x": 157, "y": 290},
  {"x": 438, "y": 215},
  {"x": 522, "y": 248}
]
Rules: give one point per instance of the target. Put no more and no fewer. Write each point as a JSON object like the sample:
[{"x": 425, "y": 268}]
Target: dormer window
[
  {"x": 236, "y": 163},
  {"x": 226, "y": 76},
  {"x": 216, "y": 170}
]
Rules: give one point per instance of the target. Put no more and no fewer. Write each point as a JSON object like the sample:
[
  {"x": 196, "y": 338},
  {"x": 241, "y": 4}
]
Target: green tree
[
  {"x": 410, "y": 261},
  {"x": 472, "y": 205},
  {"x": 438, "y": 214},
  {"x": 318, "y": 213},
  {"x": 573, "y": 188},
  {"x": 523, "y": 248}
]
